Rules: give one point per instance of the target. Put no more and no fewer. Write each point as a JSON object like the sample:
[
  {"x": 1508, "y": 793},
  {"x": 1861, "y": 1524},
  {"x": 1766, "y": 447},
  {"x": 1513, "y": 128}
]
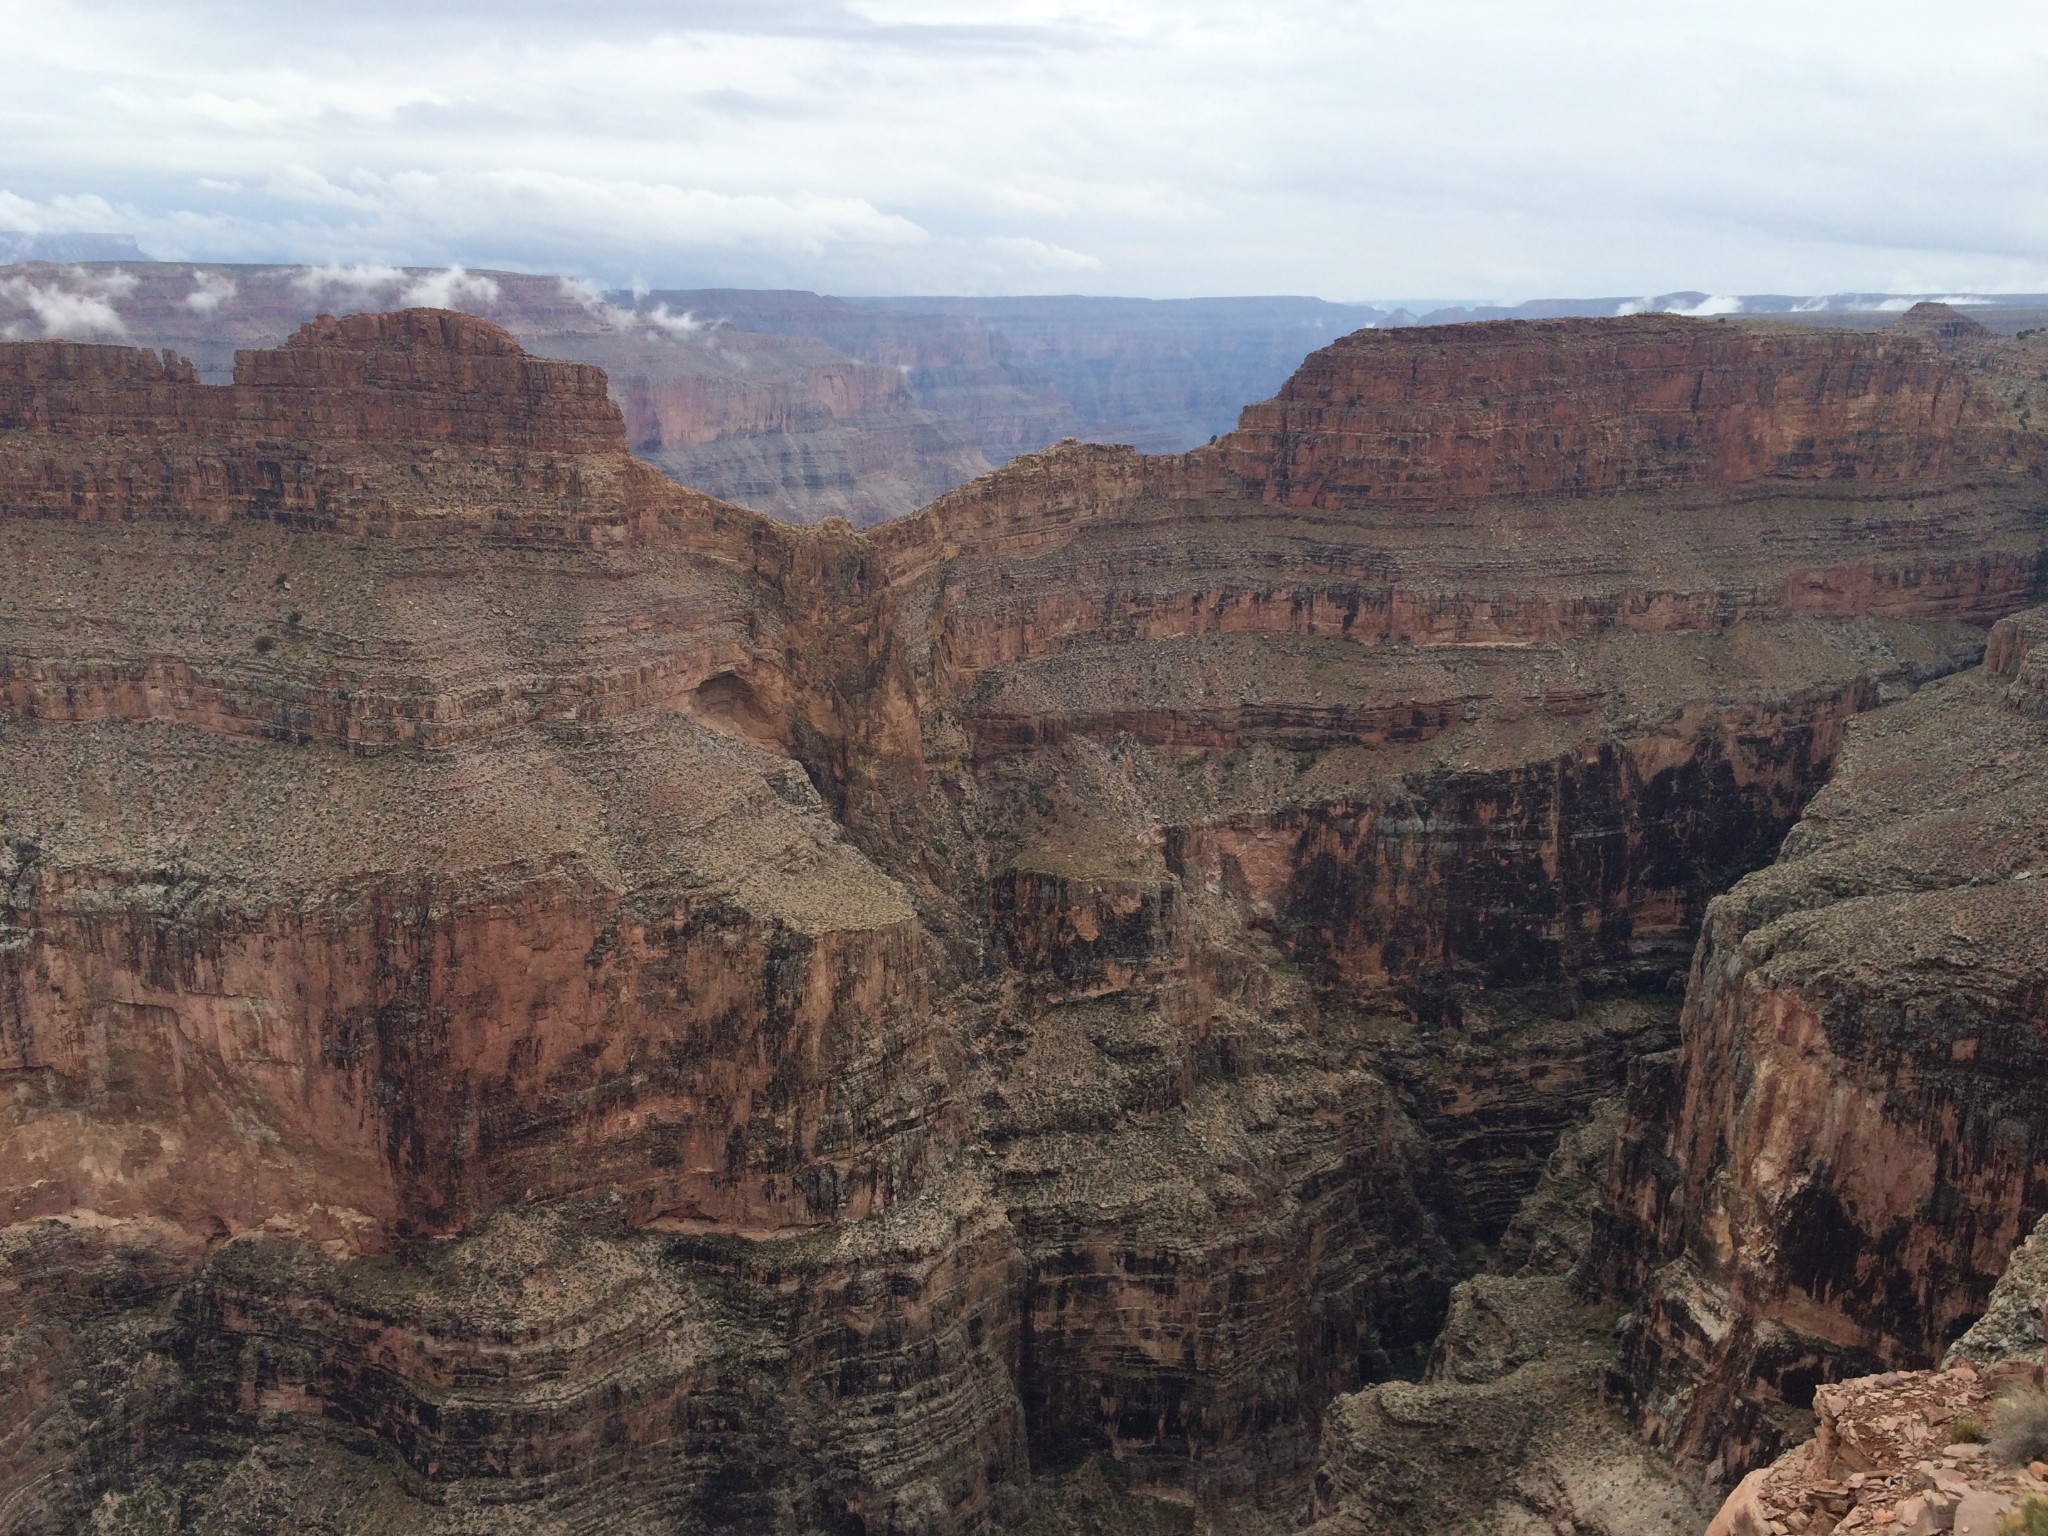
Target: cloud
[
  {"x": 1506, "y": 148},
  {"x": 678, "y": 326},
  {"x": 76, "y": 304},
  {"x": 360, "y": 282},
  {"x": 210, "y": 290},
  {"x": 1695, "y": 306},
  {"x": 63, "y": 214},
  {"x": 617, "y": 317},
  {"x": 452, "y": 289},
  {"x": 1713, "y": 304}
]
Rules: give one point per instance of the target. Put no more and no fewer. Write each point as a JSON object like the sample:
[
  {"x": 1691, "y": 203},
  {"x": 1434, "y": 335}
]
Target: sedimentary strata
[
  {"x": 1827, "y": 1178},
  {"x": 1919, "y": 1451},
  {"x": 1506, "y": 1430},
  {"x": 786, "y": 425},
  {"x": 526, "y": 987}
]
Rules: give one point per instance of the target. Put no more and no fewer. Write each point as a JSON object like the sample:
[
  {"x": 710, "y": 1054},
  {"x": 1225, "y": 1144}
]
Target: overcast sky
[{"x": 1377, "y": 149}]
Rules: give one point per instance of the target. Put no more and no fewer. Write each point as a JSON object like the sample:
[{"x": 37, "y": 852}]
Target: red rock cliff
[
  {"x": 1641, "y": 404},
  {"x": 1828, "y": 1177},
  {"x": 1061, "y": 977}
]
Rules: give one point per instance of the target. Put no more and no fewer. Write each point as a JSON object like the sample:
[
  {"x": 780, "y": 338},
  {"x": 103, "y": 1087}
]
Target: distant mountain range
[{"x": 806, "y": 405}]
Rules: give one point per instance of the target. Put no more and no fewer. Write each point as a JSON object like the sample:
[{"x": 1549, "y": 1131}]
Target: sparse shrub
[
  {"x": 263, "y": 643},
  {"x": 2019, "y": 1426},
  {"x": 2029, "y": 1519},
  {"x": 293, "y": 618},
  {"x": 1968, "y": 1430}
]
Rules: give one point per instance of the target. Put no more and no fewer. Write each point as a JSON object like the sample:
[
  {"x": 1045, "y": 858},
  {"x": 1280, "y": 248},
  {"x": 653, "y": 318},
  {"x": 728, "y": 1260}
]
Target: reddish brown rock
[
  {"x": 786, "y": 425},
  {"x": 1832, "y": 1173},
  {"x": 1886, "y": 1458},
  {"x": 1060, "y": 978},
  {"x": 1647, "y": 403}
]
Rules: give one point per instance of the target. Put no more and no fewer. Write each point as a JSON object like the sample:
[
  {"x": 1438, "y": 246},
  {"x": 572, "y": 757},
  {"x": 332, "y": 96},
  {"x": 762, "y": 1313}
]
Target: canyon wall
[
  {"x": 526, "y": 988},
  {"x": 1827, "y": 1178},
  {"x": 1657, "y": 402}
]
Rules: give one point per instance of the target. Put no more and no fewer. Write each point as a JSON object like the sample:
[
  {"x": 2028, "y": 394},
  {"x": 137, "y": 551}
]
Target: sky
[{"x": 1372, "y": 150}]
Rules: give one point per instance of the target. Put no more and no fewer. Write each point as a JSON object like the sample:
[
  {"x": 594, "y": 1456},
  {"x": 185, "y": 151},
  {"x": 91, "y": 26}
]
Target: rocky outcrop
[
  {"x": 1893, "y": 1454},
  {"x": 786, "y": 425},
  {"x": 1829, "y": 1177},
  {"x": 1646, "y": 403},
  {"x": 374, "y": 993},
  {"x": 1907, "y": 1451},
  {"x": 2018, "y": 651},
  {"x": 556, "y": 1363},
  {"x": 2011, "y": 1327},
  {"x": 354, "y": 424}
]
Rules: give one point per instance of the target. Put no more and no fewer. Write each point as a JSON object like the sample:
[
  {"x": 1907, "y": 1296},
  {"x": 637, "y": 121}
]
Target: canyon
[
  {"x": 534, "y": 997},
  {"x": 794, "y": 404}
]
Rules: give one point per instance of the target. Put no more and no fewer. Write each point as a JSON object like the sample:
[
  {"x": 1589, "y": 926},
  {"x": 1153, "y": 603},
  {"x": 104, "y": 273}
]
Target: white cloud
[
  {"x": 452, "y": 289},
  {"x": 1713, "y": 304},
  {"x": 1675, "y": 304},
  {"x": 1502, "y": 147},
  {"x": 210, "y": 290},
  {"x": 359, "y": 282},
  {"x": 74, "y": 305},
  {"x": 678, "y": 326}
]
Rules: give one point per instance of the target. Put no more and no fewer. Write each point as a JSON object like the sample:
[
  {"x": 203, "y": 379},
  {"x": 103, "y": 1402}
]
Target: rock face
[
  {"x": 788, "y": 426},
  {"x": 1829, "y": 1176},
  {"x": 1905, "y": 1451},
  {"x": 1658, "y": 403},
  {"x": 1506, "y": 1430},
  {"x": 351, "y": 424},
  {"x": 525, "y": 988}
]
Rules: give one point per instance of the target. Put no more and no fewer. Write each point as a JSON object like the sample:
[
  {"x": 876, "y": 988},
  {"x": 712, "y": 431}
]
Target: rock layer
[
  {"x": 787, "y": 425},
  {"x": 1658, "y": 402},
  {"x": 1829, "y": 1177},
  {"x": 526, "y": 987}
]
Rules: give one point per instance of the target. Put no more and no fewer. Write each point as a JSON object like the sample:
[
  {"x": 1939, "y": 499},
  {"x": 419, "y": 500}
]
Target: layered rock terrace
[{"x": 1055, "y": 983}]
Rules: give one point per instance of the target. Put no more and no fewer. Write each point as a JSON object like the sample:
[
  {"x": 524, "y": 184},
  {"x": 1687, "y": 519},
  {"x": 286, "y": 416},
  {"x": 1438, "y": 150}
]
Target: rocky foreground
[
  {"x": 1909, "y": 1453},
  {"x": 533, "y": 997}
]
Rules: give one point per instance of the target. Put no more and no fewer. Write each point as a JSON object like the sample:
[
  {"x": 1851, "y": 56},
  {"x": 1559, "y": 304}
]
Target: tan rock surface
[{"x": 1884, "y": 1460}]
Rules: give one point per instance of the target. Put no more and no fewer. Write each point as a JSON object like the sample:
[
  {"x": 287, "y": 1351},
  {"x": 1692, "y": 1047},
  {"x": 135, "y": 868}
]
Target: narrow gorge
[{"x": 1246, "y": 990}]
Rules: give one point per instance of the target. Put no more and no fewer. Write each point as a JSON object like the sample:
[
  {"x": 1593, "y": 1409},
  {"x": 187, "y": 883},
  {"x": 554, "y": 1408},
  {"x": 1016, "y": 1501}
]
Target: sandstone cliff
[
  {"x": 524, "y": 987},
  {"x": 1828, "y": 1177}
]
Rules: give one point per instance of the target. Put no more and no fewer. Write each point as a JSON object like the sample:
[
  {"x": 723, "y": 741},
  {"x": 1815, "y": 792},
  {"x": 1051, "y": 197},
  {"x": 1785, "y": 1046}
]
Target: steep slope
[
  {"x": 527, "y": 988},
  {"x": 329, "y": 804},
  {"x": 1828, "y": 1178}
]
